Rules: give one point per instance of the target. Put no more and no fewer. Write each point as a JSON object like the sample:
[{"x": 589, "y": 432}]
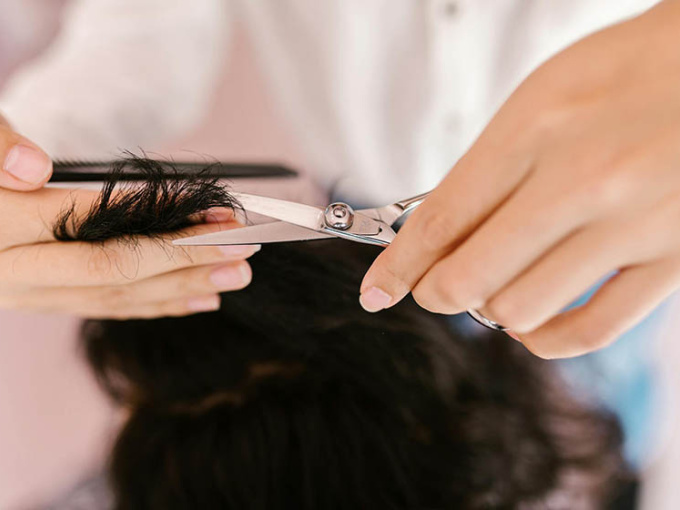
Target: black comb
[{"x": 95, "y": 171}]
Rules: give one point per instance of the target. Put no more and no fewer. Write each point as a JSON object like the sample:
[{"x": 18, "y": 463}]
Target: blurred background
[{"x": 49, "y": 445}]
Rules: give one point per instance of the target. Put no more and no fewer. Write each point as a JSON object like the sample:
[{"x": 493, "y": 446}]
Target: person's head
[{"x": 292, "y": 396}]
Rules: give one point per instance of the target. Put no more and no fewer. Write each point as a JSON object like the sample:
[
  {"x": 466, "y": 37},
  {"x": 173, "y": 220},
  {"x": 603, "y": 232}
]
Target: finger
[
  {"x": 40, "y": 211},
  {"x": 113, "y": 262},
  {"x": 214, "y": 215},
  {"x": 27, "y": 218},
  {"x": 530, "y": 223},
  {"x": 474, "y": 188},
  {"x": 184, "y": 283},
  {"x": 181, "y": 284},
  {"x": 575, "y": 265},
  {"x": 616, "y": 307},
  {"x": 25, "y": 166},
  {"x": 169, "y": 308}
]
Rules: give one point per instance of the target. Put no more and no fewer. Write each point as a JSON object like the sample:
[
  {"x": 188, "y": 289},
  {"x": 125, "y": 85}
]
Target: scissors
[{"x": 300, "y": 222}]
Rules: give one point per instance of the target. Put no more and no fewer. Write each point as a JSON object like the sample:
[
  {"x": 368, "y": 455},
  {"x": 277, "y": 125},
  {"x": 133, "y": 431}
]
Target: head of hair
[{"x": 292, "y": 396}]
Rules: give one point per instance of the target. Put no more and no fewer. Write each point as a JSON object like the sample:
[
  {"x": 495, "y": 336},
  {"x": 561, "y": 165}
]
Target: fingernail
[
  {"x": 243, "y": 250},
  {"x": 374, "y": 299},
  {"x": 218, "y": 215},
  {"x": 27, "y": 164},
  {"x": 204, "y": 303},
  {"x": 230, "y": 277},
  {"x": 513, "y": 335}
]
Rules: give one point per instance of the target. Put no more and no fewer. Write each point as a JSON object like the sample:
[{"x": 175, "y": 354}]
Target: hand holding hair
[
  {"x": 576, "y": 178},
  {"x": 25, "y": 166},
  {"x": 57, "y": 253}
]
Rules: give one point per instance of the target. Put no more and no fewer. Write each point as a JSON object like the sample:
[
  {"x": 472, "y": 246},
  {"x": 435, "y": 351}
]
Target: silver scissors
[{"x": 300, "y": 222}]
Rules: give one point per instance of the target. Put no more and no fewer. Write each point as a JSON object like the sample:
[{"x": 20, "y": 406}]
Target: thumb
[{"x": 23, "y": 165}]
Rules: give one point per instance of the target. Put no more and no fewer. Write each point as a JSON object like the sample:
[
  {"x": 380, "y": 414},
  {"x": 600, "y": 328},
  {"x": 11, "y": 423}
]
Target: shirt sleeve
[{"x": 120, "y": 74}]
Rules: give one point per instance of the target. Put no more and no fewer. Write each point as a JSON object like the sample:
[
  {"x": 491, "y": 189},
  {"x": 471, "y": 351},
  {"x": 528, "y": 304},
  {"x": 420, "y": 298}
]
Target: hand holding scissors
[
  {"x": 575, "y": 180},
  {"x": 300, "y": 222}
]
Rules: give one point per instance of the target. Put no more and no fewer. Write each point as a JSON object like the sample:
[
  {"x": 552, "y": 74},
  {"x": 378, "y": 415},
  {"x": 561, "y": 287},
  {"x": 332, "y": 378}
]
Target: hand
[
  {"x": 113, "y": 279},
  {"x": 24, "y": 165},
  {"x": 575, "y": 178}
]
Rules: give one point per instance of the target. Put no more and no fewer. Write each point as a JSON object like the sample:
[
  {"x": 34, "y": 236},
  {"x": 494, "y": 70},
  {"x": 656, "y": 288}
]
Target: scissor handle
[
  {"x": 411, "y": 203},
  {"x": 485, "y": 322},
  {"x": 392, "y": 213}
]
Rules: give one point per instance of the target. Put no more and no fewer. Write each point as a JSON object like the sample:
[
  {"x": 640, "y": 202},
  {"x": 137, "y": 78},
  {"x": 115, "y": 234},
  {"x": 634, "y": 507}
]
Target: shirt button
[{"x": 450, "y": 9}]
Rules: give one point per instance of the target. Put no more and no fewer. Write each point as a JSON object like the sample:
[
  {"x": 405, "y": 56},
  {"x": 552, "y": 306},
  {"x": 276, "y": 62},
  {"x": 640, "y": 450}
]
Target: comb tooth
[{"x": 79, "y": 162}]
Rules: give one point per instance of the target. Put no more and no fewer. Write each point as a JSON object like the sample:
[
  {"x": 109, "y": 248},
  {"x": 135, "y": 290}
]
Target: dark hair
[
  {"x": 163, "y": 204},
  {"x": 291, "y": 396}
]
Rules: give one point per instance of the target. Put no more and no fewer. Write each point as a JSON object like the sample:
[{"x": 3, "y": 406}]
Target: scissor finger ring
[{"x": 484, "y": 321}]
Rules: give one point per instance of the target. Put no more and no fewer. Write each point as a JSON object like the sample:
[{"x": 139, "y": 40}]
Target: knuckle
[
  {"x": 439, "y": 297},
  {"x": 186, "y": 285},
  {"x": 541, "y": 127},
  {"x": 435, "y": 229},
  {"x": 606, "y": 186},
  {"x": 117, "y": 298},
  {"x": 169, "y": 309},
  {"x": 106, "y": 265},
  {"x": 99, "y": 263},
  {"x": 190, "y": 282},
  {"x": 184, "y": 282},
  {"x": 545, "y": 125},
  {"x": 507, "y": 313}
]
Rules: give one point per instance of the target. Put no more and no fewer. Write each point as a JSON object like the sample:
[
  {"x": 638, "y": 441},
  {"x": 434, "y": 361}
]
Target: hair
[
  {"x": 292, "y": 396},
  {"x": 165, "y": 203}
]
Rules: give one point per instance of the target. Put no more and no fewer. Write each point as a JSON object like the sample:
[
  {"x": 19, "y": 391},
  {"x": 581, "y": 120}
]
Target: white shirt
[{"x": 382, "y": 95}]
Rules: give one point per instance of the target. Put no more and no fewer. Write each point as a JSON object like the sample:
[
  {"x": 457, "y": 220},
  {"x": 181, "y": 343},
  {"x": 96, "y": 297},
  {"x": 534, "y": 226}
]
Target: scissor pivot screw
[{"x": 339, "y": 216}]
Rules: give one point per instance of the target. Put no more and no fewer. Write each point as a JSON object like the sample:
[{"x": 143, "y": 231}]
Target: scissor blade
[
  {"x": 276, "y": 232},
  {"x": 306, "y": 216}
]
